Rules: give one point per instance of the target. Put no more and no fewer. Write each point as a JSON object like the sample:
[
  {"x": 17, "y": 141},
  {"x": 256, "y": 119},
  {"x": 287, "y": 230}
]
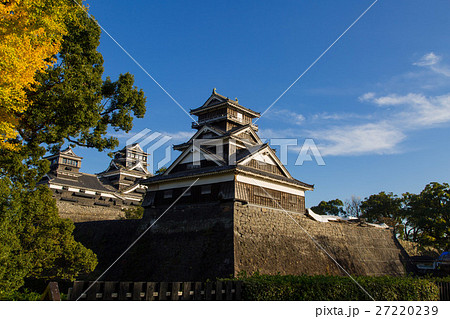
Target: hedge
[
  {"x": 25, "y": 295},
  {"x": 323, "y": 288}
]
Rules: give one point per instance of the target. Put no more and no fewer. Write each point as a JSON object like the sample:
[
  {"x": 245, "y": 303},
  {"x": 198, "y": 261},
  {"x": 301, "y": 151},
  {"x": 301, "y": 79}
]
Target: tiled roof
[
  {"x": 223, "y": 100},
  {"x": 85, "y": 181},
  {"x": 188, "y": 173},
  {"x": 222, "y": 169},
  {"x": 229, "y": 102}
]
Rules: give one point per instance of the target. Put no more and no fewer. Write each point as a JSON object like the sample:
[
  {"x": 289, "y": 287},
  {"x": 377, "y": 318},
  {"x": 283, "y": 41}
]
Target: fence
[
  {"x": 152, "y": 291},
  {"x": 444, "y": 290},
  {"x": 219, "y": 290}
]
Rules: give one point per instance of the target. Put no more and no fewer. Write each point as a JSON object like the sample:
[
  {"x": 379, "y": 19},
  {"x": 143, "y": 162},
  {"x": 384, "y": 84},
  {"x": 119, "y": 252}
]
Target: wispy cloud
[
  {"x": 433, "y": 62},
  {"x": 371, "y": 138},
  {"x": 428, "y": 60},
  {"x": 286, "y": 116},
  {"x": 325, "y": 116},
  {"x": 418, "y": 111}
]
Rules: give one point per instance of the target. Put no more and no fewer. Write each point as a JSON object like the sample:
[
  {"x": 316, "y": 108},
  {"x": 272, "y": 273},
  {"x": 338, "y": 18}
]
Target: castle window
[
  {"x": 206, "y": 189},
  {"x": 292, "y": 199},
  {"x": 239, "y": 116},
  {"x": 168, "y": 194},
  {"x": 70, "y": 162}
]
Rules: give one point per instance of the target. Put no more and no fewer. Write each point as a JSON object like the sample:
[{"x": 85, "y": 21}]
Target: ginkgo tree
[{"x": 31, "y": 32}]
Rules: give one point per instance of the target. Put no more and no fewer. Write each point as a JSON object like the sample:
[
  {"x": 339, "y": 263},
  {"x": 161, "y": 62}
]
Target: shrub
[
  {"x": 134, "y": 213},
  {"x": 323, "y": 288},
  {"x": 24, "y": 295}
]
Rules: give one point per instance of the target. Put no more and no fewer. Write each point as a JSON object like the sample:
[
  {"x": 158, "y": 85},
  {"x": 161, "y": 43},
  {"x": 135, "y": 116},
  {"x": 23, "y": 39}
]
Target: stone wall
[
  {"x": 195, "y": 242},
  {"x": 85, "y": 213},
  {"x": 189, "y": 243},
  {"x": 268, "y": 241}
]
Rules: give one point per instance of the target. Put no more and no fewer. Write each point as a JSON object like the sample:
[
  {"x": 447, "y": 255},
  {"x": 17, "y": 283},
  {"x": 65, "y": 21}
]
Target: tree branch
[{"x": 76, "y": 142}]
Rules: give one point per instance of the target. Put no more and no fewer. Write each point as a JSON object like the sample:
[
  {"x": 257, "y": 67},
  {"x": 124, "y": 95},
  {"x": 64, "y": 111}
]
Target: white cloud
[
  {"x": 325, "y": 116},
  {"x": 370, "y": 138},
  {"x": 432, "y": 61},
  {"x": 418, "y": 111},
  {"x": 366, "y": 97},
  {"x": 395, "y": 99},
  {"x": 428, "y": 59}
]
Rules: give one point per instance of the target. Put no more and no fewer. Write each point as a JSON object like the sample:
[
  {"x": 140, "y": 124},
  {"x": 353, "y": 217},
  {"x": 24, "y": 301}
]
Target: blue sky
[{"x": 377, "y": 104}]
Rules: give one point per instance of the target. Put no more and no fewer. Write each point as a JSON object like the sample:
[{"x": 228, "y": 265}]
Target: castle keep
[
  {"x": 87, "y": 197},
  {"x": 226, "y": 161}
]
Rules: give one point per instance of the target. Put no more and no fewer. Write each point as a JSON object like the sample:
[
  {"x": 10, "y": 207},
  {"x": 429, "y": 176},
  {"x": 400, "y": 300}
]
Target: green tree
[
  {"x": 428, "y": 215},
  {"x": 332, "y": 207},
  {"x": 35, "y": 242},
  {"x": 71, "y": 104},
  {"x": 384, "y": 208}
]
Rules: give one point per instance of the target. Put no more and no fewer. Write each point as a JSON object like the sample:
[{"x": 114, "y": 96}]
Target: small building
[{"x": 88, "y": 197}]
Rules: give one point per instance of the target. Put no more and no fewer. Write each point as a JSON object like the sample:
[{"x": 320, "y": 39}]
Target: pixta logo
[
  {"x": 223, "y": 152},
  {"x": 153, "y": 143}
]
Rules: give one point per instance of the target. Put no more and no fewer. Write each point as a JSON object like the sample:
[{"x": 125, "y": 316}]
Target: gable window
[
  {"x": 168, "y": 194},
  {"x": 206, "y": 189}
]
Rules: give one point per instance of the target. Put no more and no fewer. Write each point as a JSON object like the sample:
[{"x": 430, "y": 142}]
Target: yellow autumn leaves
[{"x": 31, "y": 32}]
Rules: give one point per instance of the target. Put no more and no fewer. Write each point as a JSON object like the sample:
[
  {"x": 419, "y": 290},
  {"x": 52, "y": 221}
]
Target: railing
[
  {"x": 152, "y": 291},
  {"x": 231, "y": 117}
]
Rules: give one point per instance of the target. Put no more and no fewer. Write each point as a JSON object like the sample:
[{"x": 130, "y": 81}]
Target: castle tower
[
  {"x": 230, "y": 161},
  {"x": 65, "y": 164},
  {"x": 223, "y": 114},
  {"x": 126, "y": 168}
]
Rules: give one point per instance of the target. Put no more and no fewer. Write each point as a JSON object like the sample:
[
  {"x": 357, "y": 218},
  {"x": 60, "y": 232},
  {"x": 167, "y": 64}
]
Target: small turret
[{"x": 65, "y": 164}]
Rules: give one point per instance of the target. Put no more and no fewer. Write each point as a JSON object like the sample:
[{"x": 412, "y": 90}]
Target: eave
[{"x": 228, "y": 102}]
